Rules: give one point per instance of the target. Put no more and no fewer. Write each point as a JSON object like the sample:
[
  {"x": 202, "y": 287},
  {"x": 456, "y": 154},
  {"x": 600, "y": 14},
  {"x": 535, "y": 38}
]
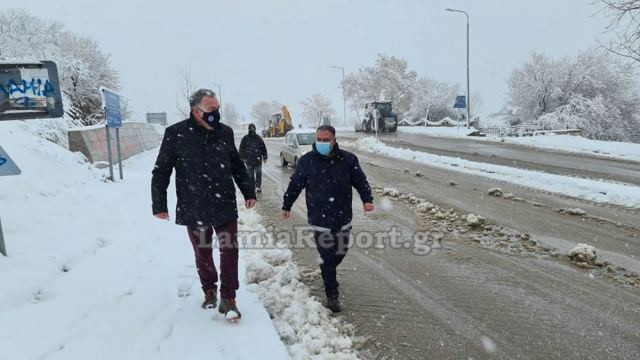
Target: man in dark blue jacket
[
  {"x": 328, "y": 174},
  {"x": 253, "y": 152}
]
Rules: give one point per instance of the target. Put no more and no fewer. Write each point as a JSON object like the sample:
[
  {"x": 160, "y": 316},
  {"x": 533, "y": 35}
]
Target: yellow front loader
[{"x": 280, "y": 124}]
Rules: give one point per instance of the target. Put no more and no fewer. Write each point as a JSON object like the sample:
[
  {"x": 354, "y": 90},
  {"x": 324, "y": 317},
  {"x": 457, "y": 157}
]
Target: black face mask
[{"x": 212, "y": 118}]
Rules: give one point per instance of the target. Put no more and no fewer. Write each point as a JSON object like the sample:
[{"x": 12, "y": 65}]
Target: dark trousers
[
  {"x": 255, "y": 173},
  {"x": 332, "y": 246},
  {"x": 202, "y": 240}
]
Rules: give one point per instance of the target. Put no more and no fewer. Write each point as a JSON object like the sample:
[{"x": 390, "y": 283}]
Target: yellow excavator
[{"x": 279, "y": 124}]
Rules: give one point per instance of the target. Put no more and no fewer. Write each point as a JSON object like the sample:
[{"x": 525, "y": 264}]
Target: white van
[{"x": 296, "y": 143}]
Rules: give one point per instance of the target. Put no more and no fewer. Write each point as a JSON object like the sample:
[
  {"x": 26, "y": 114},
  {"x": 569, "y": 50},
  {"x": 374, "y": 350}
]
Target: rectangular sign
[
  {"x": 29, "y": 90},
  {"x": 157, "y": 118},
  {"x": 111, "y": 104},
  {"x": 7, "y": 166},
  {"x": 461, "y": 102}
]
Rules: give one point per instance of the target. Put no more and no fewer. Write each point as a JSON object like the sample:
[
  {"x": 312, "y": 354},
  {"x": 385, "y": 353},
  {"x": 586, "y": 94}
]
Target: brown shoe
[
  {"x": 210, "y": 299},
  {"x": 226, "y": 307}
]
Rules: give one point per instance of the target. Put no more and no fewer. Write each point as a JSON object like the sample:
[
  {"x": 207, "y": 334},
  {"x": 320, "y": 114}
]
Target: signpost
[
  {"x": 113, "y": 119},
  {"x": 7, "y": 168},
  {"x": 461, "y": 103},
  {"x": 28, "y": 90}
]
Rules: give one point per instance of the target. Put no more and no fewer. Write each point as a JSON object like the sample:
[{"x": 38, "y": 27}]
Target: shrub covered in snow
[{"x": 594, "y": 92}]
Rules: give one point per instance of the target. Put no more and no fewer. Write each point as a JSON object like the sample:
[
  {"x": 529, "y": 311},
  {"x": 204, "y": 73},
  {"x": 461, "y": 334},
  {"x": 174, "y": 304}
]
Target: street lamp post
[
  {"x": 219, "y": 92},
  {"x": 468, "y": 86},
  {"x": 344, "y": 95}
]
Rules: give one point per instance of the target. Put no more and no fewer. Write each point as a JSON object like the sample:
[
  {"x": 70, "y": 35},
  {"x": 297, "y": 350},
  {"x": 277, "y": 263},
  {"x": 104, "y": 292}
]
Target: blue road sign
[
  {"x": 7, "y": 166},
  {"x": 111, "y": 104},
  {"x": 461, "y": 102}
]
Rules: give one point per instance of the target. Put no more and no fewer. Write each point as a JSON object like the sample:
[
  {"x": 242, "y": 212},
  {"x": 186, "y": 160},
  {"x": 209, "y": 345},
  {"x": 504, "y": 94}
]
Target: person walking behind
[
  {"x": 203, "y": 153},
  {"x": 328, "y": 174},
  {"x": 253, "y": 152}
]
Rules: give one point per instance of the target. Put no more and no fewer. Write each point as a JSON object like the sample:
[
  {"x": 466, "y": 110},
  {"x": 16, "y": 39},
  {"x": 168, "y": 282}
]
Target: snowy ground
[
  {"x": 580, "y": 145},
  {"x": 91, "y": 274},
  {"x": 564, "y": 143},
  {"x": 593, "y": 190}
]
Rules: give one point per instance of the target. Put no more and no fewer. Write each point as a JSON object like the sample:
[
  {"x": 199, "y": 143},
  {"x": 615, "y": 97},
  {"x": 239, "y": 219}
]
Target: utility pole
[
  {"x": 219, "y": 93},
  {"x": 344, "y": 95},
  {"x": 468, "y": 86}
]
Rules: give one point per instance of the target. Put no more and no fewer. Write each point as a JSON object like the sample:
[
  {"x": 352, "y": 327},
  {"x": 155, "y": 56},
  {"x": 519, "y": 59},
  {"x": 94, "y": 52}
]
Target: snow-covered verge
[
  {"x": 302, "y": 322},
  {"x": 593, "y": 190},
  {"x": 442, "y": 131},
  {"x": 563, "y": 143},
  {"x": 91, "y": 274},
  {"x": 579, "y": 145}
]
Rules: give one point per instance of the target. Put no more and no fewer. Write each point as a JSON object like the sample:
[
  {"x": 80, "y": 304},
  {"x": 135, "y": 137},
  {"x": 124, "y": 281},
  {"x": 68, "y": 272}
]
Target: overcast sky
[{"x": 284, "y": 49}]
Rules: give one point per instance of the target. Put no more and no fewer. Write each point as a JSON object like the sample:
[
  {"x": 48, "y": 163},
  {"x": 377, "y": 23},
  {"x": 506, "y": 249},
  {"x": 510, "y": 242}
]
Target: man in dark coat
[
  {"x": 203, "y": 153},
  {"x": 328, "y": 174},
  {"x": 253, "y": 152}
]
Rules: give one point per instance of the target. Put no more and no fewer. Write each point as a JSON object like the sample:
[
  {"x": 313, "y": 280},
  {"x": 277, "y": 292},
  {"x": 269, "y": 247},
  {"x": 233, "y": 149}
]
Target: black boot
[{"x": 333, "y": 304}]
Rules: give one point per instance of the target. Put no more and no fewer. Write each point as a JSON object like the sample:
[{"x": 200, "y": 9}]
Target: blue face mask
[{"x": 324, "y": 148}]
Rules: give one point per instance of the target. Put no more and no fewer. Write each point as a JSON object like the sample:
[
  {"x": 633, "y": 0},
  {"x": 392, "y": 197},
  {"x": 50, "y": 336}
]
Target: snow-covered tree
[
  {"x": 315, "y": 108},
  {"x": 230, "y": 114},
  {"x": 435, "y": 97},
  {"x": 261, "y": 112},
  {"x": 624, "y": 16},
  {"x": 593, "y": 91},
  {"x": 388, "y": 79},
  {"x": 185, "y": 89},
  {"x": 391, "y": 79},
  {"x": 84, "y": 70}
]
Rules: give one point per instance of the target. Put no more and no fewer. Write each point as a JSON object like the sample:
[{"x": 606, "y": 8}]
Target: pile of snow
[
  {"x": 581, "y": 145},
  {"x": 475, "y": 221},
  {"x": 302, "y": 322},
  {"x": 392, "y": 192},
  {"x": 583, "y": 253},
  {"x": 573, "y": 211},
  {"x": 495, "y": 192},
  {"x": 92, "y": 274},
  {"x": 593, "y": 190},
  {"x": 454, "y": 132}
]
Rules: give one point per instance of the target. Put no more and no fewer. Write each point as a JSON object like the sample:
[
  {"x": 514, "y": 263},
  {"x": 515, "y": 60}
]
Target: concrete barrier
[{"x": 135, "y": 138}]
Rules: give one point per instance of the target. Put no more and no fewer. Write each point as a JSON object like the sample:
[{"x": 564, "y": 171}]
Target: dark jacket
[
  {"x": 252, "y": 149},
  {"x": 206, "y": 164},
  {"x": 328, "y": 182}
]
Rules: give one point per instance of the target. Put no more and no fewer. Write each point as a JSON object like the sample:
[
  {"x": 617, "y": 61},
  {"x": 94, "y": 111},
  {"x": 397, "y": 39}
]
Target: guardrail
[{"x": 526, "y": 130}]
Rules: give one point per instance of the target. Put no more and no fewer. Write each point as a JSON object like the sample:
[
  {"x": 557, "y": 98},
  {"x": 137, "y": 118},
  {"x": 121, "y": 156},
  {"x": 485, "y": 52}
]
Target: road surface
[
  {"x": 517, "y": 156},
  {"x": 472, "y": 299}
]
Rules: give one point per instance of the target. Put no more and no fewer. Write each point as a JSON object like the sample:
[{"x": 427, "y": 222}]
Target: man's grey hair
[{"x": 196, "y": 98}]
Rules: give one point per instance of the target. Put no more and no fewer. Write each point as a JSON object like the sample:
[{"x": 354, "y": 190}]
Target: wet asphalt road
[{"x": 463, "y": 300}]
